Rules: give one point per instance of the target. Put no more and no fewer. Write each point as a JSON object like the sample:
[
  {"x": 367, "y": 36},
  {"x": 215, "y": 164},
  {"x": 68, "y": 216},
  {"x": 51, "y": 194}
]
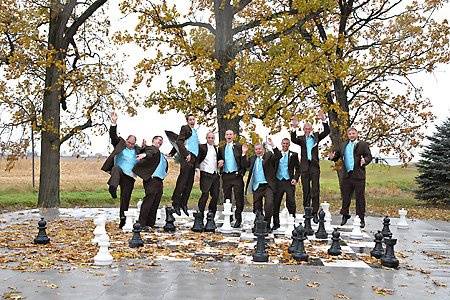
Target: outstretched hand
[{"x": 114, "y": 118}]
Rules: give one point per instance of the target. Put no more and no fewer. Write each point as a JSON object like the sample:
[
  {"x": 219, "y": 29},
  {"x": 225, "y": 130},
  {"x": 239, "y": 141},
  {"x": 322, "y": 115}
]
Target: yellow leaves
[
  {"x": 12, "y": 294},
  {"x": 382, "y": 291},
  {"x": 313, "y": 284}
]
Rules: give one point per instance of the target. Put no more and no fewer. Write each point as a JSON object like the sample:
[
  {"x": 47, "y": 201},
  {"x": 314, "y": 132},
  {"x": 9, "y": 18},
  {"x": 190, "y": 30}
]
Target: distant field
[{"x": 84, "y": 184}]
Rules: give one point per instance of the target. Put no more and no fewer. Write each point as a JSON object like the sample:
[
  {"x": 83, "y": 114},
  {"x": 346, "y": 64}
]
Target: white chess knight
[
  {"x": 128, "y": 227},
  {"x": 402, "y": 224},
  {"x": 290, "y": 226},
  {"x": 103, "y": 257},
  {"x": 226, "y": 227},
  {"x": 100, "y": 231},
  {"x": 356, "y": 232},
  {"x": 326, "y": 209}
]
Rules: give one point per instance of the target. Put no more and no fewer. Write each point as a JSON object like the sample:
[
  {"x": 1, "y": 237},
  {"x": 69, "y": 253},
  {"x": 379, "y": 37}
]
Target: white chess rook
[
  {"x": 128, "y": 227},
  {"x": 103, "y": 257},
  {"x": 402, "y": 223},
  {"x": 356, "y": 232},
  {"x": 226, "y": 227}
]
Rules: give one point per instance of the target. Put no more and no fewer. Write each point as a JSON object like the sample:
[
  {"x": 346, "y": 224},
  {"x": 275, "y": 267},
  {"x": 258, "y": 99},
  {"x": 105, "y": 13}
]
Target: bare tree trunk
[{"x": 50, "y": 141}]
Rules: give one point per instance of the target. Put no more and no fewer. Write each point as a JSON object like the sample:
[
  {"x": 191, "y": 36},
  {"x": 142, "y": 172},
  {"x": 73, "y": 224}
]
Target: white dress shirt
[{"x": 209, "y": 164}]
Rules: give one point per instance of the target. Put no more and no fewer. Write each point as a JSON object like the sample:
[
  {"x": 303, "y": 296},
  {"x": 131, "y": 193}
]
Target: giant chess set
[{"x": 212, "y": 238}]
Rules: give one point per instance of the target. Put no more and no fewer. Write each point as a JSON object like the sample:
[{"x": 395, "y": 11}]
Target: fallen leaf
[
  {"x": 313, "y": 284},
  {"x": 382, "y": 291},
  {"x": 341, "y": 296}
]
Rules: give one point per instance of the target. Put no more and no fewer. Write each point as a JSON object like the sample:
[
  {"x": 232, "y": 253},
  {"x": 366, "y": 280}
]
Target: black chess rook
[{"x": 170, "y": 220}]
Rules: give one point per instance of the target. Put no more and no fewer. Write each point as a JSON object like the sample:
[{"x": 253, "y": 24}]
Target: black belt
[{"x": 204, "y": 172}]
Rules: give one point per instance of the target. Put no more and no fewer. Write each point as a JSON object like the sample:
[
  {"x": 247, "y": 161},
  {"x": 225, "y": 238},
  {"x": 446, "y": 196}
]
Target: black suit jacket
[
  {"x": 361, "y": 150},
  {"x": 119, "y": 144},
  {"x": 301, "y": 141},
  {"x": 146, "y": 166},
  {"x": 185, "y": 133},
  {"x": 241, "y": 161},
  {"x": 270, "y": 165},
  {"x": 293, "y": 165}
]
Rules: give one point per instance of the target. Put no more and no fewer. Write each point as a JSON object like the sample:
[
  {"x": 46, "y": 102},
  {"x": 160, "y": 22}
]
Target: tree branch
[
  {"x": 72, "y": 30},
  {"x": 75, "y": 130},
  {"x": 240, "y": 6},
  {"x": 190, "y": 23}
]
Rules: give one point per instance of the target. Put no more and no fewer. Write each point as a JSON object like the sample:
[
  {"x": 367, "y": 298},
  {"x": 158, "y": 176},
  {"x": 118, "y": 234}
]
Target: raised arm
[{"x": 113, "y": 130}]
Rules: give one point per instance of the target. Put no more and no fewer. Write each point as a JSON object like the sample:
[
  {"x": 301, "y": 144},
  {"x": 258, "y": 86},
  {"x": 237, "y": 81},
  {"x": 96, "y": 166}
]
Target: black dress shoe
[
  {"x": 344, "y": 219},
  {"x": 363, "y": 223},
  {"x": 185, "y": 210},
  {"x": 275, "y": 227},
  {"x": 315, "y": 218},
  {"x": 177, "y": 209},
  {"x": 112, "y": 191},
  {"x": 237, "y": 224},
  {"x": 122, "y": 222}
]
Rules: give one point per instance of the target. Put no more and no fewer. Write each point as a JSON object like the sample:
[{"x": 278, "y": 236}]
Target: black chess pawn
[
  {"x": 321, "y": 232},
  {"x": 294, "y": 243},
  {"x": 299, "y": 252},
  {"x": 308, "y": 216},
  {"x": 335, "y": 248},
  {"x": 260, "y": 254},
  {"x": 378, "y": 250},
  {"x": 198, "y": 222},
  {"x": 136, "y": 240},
  {"x": 210, "y": 223},
  {"x": 170, "y": 220},
  {"x": 42, "y": 237},
  {"x": 388, "y": 259},
  {"x": 386, "y": 232}
]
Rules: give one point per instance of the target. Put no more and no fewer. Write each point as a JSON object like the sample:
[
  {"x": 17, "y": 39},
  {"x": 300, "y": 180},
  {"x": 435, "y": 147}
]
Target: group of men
[{"x": 273, "y": 172}]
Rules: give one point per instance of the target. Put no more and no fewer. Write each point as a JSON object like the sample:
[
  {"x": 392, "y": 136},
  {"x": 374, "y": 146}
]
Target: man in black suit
[
  {"x": 152, "y": 168},
  {"x": 309, "y": 161},
  {"x": 120, "y": 164},
  {"x": 287, "y": 175},
  {"x": 233, "y": 161},
  {"x": 356, "y": 156},
  {"x": 262, "y": 181},
  {"x": 188, "y": 148},
  {"x": 209, "y": 176}
]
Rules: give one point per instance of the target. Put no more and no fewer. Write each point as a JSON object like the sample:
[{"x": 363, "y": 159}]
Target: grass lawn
[{"x": 84, "y": 184}]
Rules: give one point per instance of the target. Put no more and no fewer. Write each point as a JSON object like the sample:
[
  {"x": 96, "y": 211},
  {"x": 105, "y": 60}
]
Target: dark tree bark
[{"x": 59, "y": 37}]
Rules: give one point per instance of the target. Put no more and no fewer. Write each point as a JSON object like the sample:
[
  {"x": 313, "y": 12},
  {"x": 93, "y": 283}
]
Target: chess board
[{"x": 238, "y": 245}]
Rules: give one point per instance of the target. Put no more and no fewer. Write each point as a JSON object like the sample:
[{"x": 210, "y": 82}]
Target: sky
[{"x": 148, "y": 122}]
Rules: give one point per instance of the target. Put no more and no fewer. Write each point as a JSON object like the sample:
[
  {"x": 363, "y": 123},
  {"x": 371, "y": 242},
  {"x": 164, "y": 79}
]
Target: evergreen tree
[{"x": 434, "y": 167}]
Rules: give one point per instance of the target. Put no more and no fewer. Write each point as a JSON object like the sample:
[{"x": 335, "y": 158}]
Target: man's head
[
  {"x": 259, "y": 149},
  {"x": 130, "y": 141},
  {"x": 285, "y": 143},
  {"x": 352, "y": 134},
  {"x": 210, "y": 137},
  {"x": 307, "y": 128},
  {"x": 157, "y": 141},
  {"x": 190, "y": 119},
  {"x": 229, "y": 136}
]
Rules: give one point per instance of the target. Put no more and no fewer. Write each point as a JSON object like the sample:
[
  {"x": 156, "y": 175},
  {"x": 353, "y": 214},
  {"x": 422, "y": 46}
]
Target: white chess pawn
[
  {"x": 402, "y": 224},
  {"x": 103, "y": 257},
  {"x": 290, "y": 226},
  {"x": 226, "y": 227},
  {"x": 326, "y": 208},
  {"x": 129, "y": 221},
  {"x": 99, "y": 230},
  {"x": 139, "y": 205},
  {"x": 356, "y": 232}
]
